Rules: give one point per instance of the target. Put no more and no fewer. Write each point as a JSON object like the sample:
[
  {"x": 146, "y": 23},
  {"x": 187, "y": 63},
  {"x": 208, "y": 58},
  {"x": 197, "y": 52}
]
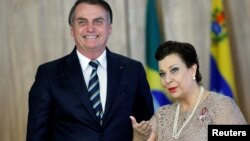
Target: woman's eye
[
  {"x": 174, "y": 70},
  {"x": 162, "y": 74}
]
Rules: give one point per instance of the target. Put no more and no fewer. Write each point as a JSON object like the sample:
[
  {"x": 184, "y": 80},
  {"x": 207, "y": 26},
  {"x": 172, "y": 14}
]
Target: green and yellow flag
[{"x": 153, "y": 39}]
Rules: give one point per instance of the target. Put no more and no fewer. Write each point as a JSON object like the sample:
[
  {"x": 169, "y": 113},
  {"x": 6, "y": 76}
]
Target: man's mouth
[{"x": 90, "y": 36}]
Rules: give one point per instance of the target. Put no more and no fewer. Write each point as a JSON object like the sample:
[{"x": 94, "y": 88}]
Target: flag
[
  {"x": 153, "y": 40},
  {"x": 221, "y": 66}
]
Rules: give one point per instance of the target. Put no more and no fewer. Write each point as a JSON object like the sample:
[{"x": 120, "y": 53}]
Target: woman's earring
[{"x": 194, "y": 77}]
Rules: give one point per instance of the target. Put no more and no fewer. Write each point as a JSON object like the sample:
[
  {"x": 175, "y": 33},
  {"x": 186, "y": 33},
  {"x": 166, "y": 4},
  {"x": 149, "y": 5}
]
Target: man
[{"x": 65, "y": 106}]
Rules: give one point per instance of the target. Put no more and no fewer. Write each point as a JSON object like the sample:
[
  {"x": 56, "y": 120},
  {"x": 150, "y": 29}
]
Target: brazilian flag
[
  {"x": 154, "y": 38},
  {"x": 221, "y": 66}
]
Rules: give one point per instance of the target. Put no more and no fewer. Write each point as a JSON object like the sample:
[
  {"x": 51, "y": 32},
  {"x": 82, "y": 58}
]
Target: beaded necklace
[{"x": 176, "y": 133}]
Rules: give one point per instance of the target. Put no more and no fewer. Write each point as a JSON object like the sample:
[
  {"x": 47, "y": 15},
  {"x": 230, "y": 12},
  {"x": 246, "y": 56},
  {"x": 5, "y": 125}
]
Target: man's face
[{"x": 91, "y": 27}]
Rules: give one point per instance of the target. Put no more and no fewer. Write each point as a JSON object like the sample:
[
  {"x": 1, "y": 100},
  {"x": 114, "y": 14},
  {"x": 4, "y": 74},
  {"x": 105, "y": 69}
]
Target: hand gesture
[{"x": 141, "y": 130}]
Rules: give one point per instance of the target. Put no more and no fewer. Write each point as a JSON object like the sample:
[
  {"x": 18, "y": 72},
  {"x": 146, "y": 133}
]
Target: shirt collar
[{"x": 102, "y": 59}]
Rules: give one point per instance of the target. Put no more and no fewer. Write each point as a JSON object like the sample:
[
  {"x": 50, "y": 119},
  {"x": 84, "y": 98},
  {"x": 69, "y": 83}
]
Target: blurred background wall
[{"x": 36, "y": 31}]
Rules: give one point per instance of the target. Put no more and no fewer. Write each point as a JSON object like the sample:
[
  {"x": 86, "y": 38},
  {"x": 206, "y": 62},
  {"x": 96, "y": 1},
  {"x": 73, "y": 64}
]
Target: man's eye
[
  {"x": 98, "y": 22},
  {"x": 81, "y": 22}
]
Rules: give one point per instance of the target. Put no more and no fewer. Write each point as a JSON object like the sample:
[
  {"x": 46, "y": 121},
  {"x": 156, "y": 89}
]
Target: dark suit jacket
[{"x": 60, "y": 109}]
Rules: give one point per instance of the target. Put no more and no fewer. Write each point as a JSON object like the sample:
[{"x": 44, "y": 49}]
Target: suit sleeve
[
  {"x": 39, "y": 109},
  {"x": 143, "y": 102}
]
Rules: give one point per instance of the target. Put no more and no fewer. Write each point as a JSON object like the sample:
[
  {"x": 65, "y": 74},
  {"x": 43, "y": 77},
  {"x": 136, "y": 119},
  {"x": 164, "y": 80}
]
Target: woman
[{"x": 194, "y": 108}]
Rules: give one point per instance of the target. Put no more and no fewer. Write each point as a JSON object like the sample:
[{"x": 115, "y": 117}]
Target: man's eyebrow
[
  {"x": 99, "y": 18},
  {"x": 80, "y": 18}
]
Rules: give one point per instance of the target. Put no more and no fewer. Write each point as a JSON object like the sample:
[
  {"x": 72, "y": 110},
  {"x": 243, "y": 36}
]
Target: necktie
[{"x": 94, "y": 90}]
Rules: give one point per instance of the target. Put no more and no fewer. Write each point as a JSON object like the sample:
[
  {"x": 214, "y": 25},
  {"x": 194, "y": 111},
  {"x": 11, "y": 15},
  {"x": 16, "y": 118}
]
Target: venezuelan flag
[
  {"x": 221, "y": 68},
  {"x": 153, "y": 39}
]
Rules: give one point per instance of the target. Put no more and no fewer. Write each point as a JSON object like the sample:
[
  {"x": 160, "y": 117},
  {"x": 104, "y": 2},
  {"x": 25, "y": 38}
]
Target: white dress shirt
[{"x": 101, "y": 72}]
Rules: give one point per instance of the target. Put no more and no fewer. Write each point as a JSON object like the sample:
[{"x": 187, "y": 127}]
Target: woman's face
[{"x": 176, "y": 78}]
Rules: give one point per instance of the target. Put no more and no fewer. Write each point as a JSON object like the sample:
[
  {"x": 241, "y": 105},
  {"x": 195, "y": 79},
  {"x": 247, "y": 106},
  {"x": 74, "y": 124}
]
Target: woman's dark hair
[
  {"x": 102, "y": 3},
  {"x": 186, "y": 51}
]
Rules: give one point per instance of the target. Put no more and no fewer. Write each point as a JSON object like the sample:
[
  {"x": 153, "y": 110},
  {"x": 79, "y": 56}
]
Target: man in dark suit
[{"x": 60, "y": 108}]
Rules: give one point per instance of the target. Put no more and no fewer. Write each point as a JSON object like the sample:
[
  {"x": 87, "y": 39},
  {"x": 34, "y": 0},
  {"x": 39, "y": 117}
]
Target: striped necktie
[{"x": 94, "y": 90}]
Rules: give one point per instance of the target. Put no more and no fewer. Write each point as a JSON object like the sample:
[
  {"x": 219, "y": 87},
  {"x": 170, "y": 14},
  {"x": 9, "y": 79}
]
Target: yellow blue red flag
[
  {"x": 221, "y": 67},
  {"x": 153, "y": 39}
]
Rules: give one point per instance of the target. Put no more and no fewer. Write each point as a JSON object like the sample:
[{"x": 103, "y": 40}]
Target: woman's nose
[{"x": 168, "y": 79}]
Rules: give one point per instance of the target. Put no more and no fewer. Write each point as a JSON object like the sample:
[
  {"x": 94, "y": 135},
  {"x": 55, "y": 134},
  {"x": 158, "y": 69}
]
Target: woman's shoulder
[
  {"x": 225, "y": 106},
  {"x": 221, "y": 98},
  {"x": 168, "y": 109},
  {"x": 164, "y": 115},
  {"x": 222, "y": 102}
]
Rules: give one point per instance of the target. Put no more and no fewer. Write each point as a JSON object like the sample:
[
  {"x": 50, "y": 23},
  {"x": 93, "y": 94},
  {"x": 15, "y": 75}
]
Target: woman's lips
[{"x": 172, "y": 89}]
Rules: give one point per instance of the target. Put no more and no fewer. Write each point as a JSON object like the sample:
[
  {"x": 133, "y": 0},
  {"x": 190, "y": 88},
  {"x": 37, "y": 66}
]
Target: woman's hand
[{"x": 142, "y": 130}]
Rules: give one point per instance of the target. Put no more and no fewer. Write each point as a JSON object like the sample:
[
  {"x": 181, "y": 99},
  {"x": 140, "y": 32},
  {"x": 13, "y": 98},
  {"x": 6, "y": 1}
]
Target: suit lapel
[
  {"x": 114, "y": 70},
  {"x": 73, "y": 72}
]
